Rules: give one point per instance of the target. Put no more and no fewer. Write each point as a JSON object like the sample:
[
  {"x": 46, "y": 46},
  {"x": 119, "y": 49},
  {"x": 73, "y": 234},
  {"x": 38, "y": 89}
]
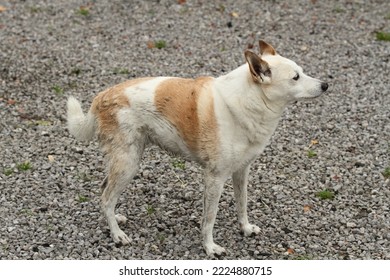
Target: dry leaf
[
  {"x": 306, "y": 208},
  {"x": 51, "y": 158},
  {"x": 2, "y": 9},
  {"x": 150, "y": 44},
  {"x": 11, "y": 101},
  {"x": 234, "y": 14},
  {"x": 290, "y": 251},
  {"x": 86, "y": 7},
  {"x": 336, "y": 177},
  {"x": 181, "y": 2},
  {"x": 313, "y": 142}
]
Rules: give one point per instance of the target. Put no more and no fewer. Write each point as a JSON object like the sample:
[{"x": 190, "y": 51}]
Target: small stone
[
  {"x": 189, "y": 195},
  {"x": 46, "y": 166},
  {"x": 351, "y": 224},
  {"x": 145, "y": 173}
]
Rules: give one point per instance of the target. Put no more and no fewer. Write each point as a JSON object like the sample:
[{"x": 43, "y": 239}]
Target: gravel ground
[{"x": 49, "y": 182}]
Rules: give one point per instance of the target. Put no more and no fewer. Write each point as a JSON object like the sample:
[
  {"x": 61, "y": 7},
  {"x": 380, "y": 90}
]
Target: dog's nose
[{"x": 324, "y": 86}]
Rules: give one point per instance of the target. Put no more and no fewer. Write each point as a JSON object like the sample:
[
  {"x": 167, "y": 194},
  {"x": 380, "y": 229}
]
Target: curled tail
[{"x": 81, "y": 126}]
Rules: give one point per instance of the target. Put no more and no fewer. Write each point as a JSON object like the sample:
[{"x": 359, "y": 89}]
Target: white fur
[
  {"x": 80, "y": 126},
  {"x": 247, "y": 108}
]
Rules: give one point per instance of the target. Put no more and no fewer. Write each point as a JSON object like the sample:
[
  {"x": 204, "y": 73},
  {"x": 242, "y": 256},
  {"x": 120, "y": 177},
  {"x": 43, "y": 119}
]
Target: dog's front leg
[
  {"x": 212, "y": 193},
  {"x": 240, "y": 182}
]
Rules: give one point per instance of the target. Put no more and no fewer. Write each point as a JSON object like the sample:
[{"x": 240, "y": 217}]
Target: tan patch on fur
[
  {"x": 178, "y": 99},
  {"x": 208, "y": 138},
  {"x": 107, "y": 104}
]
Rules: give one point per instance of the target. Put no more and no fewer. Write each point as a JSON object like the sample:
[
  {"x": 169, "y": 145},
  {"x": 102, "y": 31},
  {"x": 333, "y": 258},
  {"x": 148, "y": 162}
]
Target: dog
[{"x": 222, "y": 123}]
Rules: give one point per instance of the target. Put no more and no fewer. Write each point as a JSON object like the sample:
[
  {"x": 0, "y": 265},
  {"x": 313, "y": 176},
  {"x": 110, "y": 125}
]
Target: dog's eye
[{"x": 296, "y": 77}]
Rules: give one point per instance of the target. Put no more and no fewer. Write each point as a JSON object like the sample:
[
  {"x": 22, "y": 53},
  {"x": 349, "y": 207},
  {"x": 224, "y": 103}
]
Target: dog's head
[{"x": 281, "y": 79}]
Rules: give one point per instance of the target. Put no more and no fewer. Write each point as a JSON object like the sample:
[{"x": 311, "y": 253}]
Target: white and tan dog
[{"x": 222, "y": 123}]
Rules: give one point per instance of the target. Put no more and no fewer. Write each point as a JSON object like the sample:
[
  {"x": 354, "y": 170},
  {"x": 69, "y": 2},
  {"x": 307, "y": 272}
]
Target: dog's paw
[
  {"x": 120, "y": 219},
  {"x": 121, "y": 238},
  {"x": 250, "y": 229},
  {"x": 214, "y": 249}
]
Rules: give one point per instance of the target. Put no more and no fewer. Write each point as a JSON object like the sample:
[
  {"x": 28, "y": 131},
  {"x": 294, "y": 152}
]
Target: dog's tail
[{"x": 81, "y": 126}]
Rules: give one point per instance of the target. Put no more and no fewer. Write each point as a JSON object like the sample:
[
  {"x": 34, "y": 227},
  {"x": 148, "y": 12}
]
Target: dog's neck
[{"x": 248, "y": 105}]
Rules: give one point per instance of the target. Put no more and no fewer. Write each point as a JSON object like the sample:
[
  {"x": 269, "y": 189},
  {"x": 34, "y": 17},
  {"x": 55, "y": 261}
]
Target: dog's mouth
[
  {"x": 318, "y": 93},
  {"x": 314, "y": 96}
]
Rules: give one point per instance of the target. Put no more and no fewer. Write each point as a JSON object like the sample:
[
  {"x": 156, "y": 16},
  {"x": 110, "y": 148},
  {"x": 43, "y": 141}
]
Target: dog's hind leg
[
  {"x": 240, "y": 182},
  {"x": 119, "y": 218},
  {"x": 123, "y": 165}
]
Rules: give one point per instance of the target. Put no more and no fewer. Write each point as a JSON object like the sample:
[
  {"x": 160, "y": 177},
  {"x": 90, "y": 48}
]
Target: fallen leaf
[
  {"x": 150, "y": 44},
  {"x": 181, "y": 2},
  {"x": 313, "y": 142},
  {"x": 11, "y": 101},
  {"x": 86, "y": 7},
  {"x": 234, "y": 14},
  {"x": 336, "y": 177},
  {"x": 2, "y": 9},
  {"x": 306, "y": 208},
  {"x": 290, "y": 251},
  {"x": 51, "y": 158}
]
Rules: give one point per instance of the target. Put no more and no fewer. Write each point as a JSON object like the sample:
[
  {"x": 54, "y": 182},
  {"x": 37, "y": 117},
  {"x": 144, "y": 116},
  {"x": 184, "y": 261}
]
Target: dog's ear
[
  {"x": 260, "y": 71},
  {"x": 266, "y": 48}
]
